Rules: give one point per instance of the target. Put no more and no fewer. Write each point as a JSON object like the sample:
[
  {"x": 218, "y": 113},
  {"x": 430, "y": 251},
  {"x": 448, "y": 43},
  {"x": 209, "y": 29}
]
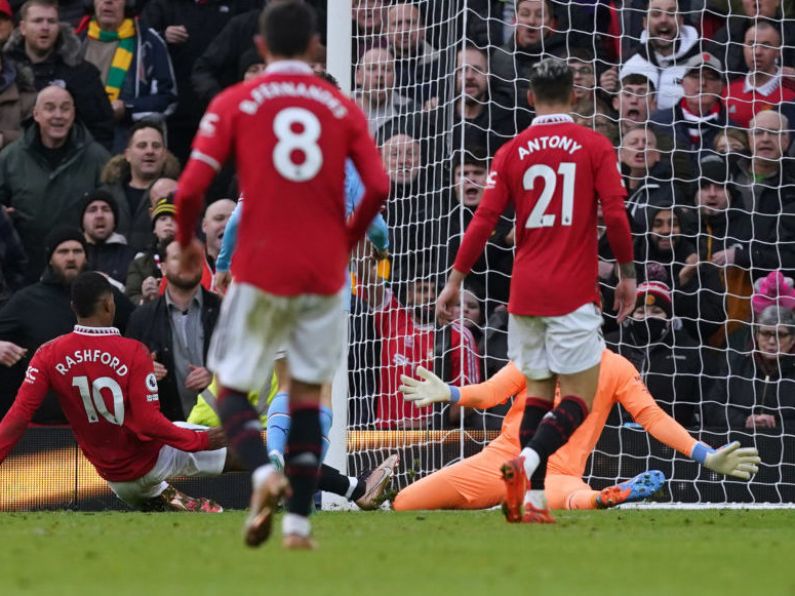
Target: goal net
[{"x": 695, "y": 97}]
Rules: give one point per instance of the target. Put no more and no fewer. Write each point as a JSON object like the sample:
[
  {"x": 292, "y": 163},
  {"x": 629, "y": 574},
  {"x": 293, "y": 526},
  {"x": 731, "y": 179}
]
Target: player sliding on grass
[
  {"x": 556, "y": 173},
  {"x": 475, "y": 482},
  {"x": 290, "y": 133},
  {"x": 107, "y": 389}
]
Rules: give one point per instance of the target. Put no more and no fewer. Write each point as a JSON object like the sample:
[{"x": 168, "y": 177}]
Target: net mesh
[{"x": 696, "y": 98}]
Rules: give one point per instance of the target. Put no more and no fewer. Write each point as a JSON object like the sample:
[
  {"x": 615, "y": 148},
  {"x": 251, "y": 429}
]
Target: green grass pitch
[{"x": 410, "y": 554}]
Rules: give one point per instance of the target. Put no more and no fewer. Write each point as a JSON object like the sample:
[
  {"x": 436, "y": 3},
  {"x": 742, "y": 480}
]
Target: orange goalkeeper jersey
[{"x": 619, "y": 382}]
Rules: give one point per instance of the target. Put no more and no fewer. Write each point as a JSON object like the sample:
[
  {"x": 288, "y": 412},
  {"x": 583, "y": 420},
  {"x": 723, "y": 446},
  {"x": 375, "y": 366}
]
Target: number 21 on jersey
[{"x": 543, "y": 174}]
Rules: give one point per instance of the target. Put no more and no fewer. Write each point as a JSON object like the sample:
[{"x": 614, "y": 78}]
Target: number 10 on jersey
[{"x": 538, "y": 217}]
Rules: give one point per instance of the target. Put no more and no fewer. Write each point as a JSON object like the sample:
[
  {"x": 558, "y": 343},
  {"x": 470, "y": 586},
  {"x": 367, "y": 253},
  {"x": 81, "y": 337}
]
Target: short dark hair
[
  {"x": 474, "y": 155},
  {"x": 23, "y": 11},
  {"x": 146, "y": 123},
  {"x": 288, "y": 27},
  {"x": 87, "y": 290},
  {"x": 329, "y": 78},
  {"x": 551, "y": 81}
]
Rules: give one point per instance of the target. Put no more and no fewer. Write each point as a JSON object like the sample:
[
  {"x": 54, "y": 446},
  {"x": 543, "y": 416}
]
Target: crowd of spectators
[{"x": 100, "y": 99}]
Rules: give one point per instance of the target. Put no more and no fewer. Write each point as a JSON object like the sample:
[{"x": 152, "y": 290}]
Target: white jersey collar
[
  {"x": 289, "y": 67},
  {"x": 552, "y": 119},
  {"x": 83, "y": 330}
]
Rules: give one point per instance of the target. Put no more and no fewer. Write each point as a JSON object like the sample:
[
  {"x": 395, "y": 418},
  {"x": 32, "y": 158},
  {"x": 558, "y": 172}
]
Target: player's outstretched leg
[
  {"x": 374, "y": 482},
  {"x": 638, "y": 488}
]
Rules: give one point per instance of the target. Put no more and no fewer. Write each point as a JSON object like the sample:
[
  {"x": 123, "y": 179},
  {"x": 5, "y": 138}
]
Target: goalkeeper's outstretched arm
[{"x": 730, "y": 460}]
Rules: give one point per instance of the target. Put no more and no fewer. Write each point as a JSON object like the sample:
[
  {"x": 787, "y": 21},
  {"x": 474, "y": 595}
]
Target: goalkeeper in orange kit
[{"x": 476, "y": 482}]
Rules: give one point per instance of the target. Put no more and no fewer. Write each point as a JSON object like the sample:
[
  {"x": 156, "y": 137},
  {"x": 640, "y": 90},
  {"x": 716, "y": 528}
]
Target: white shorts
[
  {"x": 170, "y": 463},
  {"x": 544, "y": 346},
  {"x": 254, "y": 326}
]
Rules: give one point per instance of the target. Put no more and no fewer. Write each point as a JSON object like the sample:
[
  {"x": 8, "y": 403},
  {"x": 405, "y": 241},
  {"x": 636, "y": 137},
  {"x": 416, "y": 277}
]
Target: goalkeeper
[{"x": 476, "y": 482}]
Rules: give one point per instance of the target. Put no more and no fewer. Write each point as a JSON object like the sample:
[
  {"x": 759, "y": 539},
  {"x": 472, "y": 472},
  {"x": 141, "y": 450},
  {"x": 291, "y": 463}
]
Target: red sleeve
[
  {"x": 144, "y": 417},
  {"x": 495, "y": 199},
  {"x": 611, "y": 192},
  {"x": 368, "y": 163},
  {"x": 29, "y": 397},
  {"x": 465, "y": 368},
  {"x": 211, "y": 148}
]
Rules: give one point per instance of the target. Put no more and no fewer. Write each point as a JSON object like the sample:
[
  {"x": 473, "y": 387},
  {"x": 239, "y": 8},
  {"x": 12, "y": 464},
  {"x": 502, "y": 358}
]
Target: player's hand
[
  {"x": 198, "y": 379},
  {"x": 11, "y": 353},
  {"x": 176, "y": 34},
  {"x": 624, "y": 302},
  {"x": 221, "y": 282},
  {"x": 160, "y": 370},
  {"x": 760, "y": 421},
  {"x": 733, "y": 460},
  {"x": 423, "y": 393},
  {"x": 149, "y": 289},
  {"x": 191, "y": 256},
  {"x": 217, "y": 438}
]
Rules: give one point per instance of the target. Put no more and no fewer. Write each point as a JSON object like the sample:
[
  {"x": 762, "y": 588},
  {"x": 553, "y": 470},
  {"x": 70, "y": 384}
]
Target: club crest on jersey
[
  {"x": 30, "y": 374},
  {"x": 207, "y": 124},
  {"x": 491, "y": 181}
]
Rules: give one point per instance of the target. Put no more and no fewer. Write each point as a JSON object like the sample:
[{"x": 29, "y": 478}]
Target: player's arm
[
  {"x": 508, "y": 381},
  {"x": 495, "y": 199},
  {"x": 211, "y": 148},
  {"x": 368, "y": 164},
  {"x": 229, "y": 240},
  {"x": 611, "y": 192},
  {"x": 144, "y": 417},
  {"x": 28, "y": 399},
  {"x": 731, "y": 459},
  {"x": 377, "y": 233}
]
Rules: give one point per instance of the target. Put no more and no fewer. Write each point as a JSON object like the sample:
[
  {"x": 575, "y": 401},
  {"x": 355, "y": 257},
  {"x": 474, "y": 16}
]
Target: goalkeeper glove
[
  {"x": 731, "y": 459},
  {"x": 429, "y": 391}
]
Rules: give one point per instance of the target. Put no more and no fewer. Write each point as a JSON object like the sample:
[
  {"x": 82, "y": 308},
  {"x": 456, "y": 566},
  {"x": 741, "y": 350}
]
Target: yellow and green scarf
[{"x": 122, "y": 58}]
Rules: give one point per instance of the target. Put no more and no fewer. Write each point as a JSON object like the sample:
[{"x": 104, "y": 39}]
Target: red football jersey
[
  {"x": 290, "y": 132},
  {"x": 743, "y": 101},
  {"x": 555, "y": 171},
  {"x": 405, "y": 346},
  {"x": 107, "y": 389}
]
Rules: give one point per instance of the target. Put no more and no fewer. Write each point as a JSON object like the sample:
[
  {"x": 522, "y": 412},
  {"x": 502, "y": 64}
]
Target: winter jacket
[
  {"x": 150, "y": 86},
  {"x": 672, "y": 122},
  {"x": 43, "y": 197},
  {"x": 135, "y": 227},
  {"x": 142, "y": 266},
  {"x": 151, "y": 324},
  {"x": 82, "y": 79},
  {"x": 203, "y": 21},
  {"x": 220, "y": 64},
  {"x": 13, "y": 260},
  {"x": 17, "y": 96},
  {"x": 749, "y": 386},
  {"x": 772, "y": 223},
  {"x": 673, "y": 369},
  {"x": 35, "y": 315},
  {"x": 664, "y": 72},
  {"x": 112, "y": 257}
]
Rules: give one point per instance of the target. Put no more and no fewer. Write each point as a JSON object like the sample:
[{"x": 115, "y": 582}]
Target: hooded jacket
[
  {"x": 81, "y": 78},
  {"x": 664, "y": 72}
]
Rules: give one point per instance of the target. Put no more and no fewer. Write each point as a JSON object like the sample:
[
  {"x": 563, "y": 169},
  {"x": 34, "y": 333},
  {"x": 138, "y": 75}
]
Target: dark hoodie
[{"x": 81, "y": 78}]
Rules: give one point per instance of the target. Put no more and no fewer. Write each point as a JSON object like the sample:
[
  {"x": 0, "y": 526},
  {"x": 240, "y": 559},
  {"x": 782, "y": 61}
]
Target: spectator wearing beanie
[
  {"x": 671, "y": 361},
  {"x": 107, "y": 250},
  {"x": 144, "y": 274},
  {"x": 40, "y": 312}
]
